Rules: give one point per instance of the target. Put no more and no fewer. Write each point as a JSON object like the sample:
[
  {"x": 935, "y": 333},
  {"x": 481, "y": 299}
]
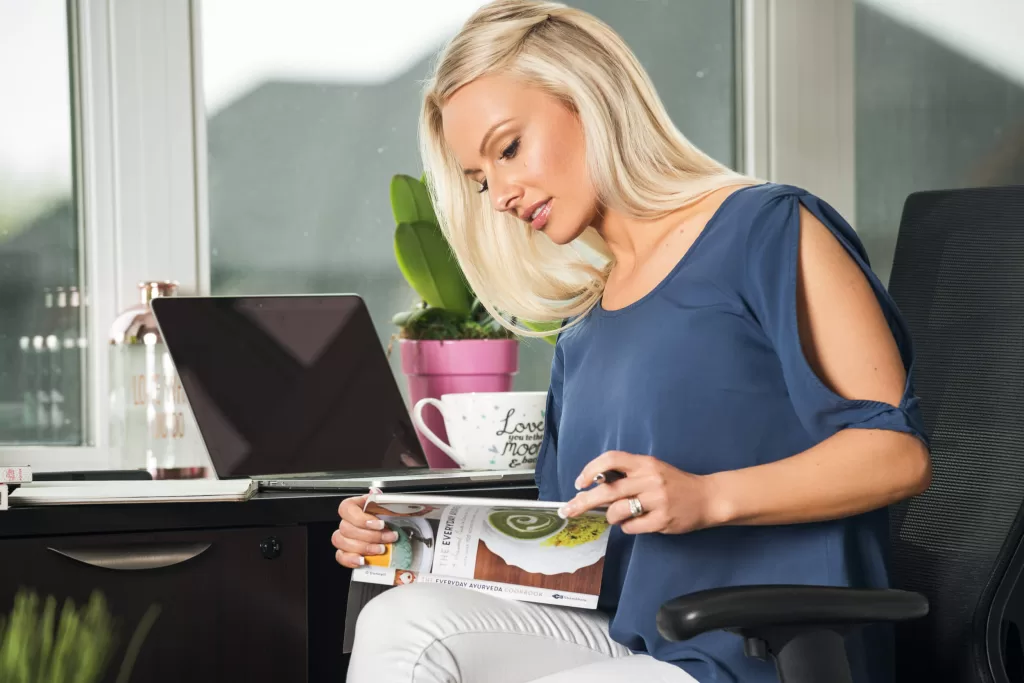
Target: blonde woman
[{"x": 726, "y": 347}]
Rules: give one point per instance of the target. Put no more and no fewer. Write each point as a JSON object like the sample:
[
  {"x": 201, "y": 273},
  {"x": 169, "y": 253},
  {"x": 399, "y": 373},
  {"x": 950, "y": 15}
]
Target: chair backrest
[{"x": 958, "y": 279}]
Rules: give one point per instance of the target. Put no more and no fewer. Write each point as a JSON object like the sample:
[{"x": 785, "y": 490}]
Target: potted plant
[
  {"x": 448, "y": 341},
  {"x": 37, "y": 644}
]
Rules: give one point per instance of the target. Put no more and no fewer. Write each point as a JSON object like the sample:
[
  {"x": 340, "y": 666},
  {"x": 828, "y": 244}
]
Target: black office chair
[{"x": 958, "y": 278}]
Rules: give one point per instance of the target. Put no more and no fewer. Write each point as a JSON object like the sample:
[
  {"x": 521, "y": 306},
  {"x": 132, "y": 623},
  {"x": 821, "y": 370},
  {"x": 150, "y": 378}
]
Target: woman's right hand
[{"x": 359, "y": 534}]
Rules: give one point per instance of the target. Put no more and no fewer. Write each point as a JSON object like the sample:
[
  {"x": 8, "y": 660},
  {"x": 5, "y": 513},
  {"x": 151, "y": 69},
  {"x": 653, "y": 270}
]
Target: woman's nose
[{"x": 505, "y": 197}]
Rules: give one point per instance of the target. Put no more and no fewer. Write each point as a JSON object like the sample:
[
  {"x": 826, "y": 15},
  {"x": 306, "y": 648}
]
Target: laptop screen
[{"x": 288, "y": 384}]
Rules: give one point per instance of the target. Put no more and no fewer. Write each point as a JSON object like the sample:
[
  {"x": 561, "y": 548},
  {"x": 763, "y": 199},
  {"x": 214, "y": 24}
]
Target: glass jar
[{"x": 151, "y": 424}]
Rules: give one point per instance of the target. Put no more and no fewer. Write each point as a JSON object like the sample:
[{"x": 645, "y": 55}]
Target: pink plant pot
[{"x": 433, "y": 368}]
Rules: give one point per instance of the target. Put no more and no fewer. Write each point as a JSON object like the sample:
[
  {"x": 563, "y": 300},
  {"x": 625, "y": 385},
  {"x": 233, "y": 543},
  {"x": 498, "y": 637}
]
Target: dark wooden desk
[{"x": 248, "y": 591}]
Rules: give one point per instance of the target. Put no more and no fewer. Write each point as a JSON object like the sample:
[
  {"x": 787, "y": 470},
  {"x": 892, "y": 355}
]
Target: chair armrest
[{"x": 749, "y": 609}]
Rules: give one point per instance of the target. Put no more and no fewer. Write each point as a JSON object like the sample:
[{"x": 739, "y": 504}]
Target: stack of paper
[{"x": 155, "y": 491}]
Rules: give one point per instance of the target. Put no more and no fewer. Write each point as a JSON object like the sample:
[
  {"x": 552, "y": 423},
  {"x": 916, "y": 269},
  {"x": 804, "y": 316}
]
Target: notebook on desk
[
  {"x": 158, "y": 491},
  {"x": 295, "y": 392}
]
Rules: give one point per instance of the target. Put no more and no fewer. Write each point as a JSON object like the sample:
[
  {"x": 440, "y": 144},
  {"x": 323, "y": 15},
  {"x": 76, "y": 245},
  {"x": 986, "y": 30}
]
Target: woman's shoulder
[
  {"x": 768, "y": 228},
  {"x": 751, "y": 199},
  {"x": 756, "y": 227},
  {"x": 732, "y": 229},
  {"x": 769, "y": 211}
]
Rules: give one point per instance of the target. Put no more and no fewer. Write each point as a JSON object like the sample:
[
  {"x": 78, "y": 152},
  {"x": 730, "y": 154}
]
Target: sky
[
  {"x": 35, "y": 135},
  {"x": 246, "y": 42}
]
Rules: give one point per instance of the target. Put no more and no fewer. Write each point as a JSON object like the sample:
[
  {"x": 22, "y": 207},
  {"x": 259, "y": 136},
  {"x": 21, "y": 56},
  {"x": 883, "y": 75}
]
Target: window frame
[
  {"x": 799, "y": 96},
  {"x": 92, "y": 181},
  {"x": 134, "y": 184}
]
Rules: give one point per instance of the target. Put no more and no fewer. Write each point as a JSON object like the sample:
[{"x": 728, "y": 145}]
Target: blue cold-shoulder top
[{"x": 707, "y": 373}]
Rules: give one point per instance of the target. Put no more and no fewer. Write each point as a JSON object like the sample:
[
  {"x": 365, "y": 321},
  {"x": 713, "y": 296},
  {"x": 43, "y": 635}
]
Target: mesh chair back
[{"x": 958, "y": 279}]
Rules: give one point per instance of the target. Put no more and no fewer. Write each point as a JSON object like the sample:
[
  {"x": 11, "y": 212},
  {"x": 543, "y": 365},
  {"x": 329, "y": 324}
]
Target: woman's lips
[{"x": 541, "y": 217}]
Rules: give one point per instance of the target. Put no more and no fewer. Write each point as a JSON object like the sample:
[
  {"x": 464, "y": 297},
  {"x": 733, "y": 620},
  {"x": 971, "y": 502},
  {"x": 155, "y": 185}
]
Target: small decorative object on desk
[
  {"x": 22, "y": 474},
  {"x": 449, "y": 342},
  {"x": 10, "y": 479},
  {"x": 151, "y": 426}
]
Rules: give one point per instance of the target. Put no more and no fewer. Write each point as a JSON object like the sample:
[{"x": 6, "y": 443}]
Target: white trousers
[{"x": 423, "y": 633}]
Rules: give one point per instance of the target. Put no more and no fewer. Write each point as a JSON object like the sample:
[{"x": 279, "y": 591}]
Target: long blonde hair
[{"x": 638, "y": 161}]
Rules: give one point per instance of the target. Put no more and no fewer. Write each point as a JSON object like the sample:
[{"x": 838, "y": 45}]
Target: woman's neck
[{"x": 632, "y": 240}]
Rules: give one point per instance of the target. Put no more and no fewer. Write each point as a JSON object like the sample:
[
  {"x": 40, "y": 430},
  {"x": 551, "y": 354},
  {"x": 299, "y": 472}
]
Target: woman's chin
[
  {"x": 567, "y": 239},
  {"x": 559, "y": 235}
]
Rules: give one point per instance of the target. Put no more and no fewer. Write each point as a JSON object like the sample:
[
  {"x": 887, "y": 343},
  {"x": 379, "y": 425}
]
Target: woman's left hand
[{"x": 673, "y": 501}]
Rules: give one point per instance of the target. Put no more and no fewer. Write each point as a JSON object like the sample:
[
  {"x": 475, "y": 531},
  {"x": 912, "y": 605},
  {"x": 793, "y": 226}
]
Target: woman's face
[{"x": 526, "y": 150}]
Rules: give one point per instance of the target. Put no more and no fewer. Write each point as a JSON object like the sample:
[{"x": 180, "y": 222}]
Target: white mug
[{"x": 489, "y": 431}]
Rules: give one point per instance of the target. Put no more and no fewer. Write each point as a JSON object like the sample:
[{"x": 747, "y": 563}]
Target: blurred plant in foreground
[{"x": 38, "y": 646}]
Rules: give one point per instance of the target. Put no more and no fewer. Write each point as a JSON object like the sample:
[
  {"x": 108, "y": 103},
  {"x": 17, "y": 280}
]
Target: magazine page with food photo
[{"x": 517, "y": 549}]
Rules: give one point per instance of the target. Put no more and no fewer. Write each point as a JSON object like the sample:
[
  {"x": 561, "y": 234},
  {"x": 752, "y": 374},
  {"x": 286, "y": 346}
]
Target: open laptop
[{"x": 296, "y": 392}]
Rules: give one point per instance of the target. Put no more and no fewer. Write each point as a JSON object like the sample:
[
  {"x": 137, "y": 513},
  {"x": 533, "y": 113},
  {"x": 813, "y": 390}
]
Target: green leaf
[
  {"x": 46, "y": 647},
  {"x": 429, "y": 266},
  {"x": 406, "y": 318},
  {"x": 410, "y": 201},
  {"x": 543, "y": 327},
  {"x": 135, "y": 644}
]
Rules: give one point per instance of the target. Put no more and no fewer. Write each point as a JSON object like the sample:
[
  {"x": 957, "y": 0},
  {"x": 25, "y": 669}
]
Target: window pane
[
  {"x": 41, "y": 371},
  {"x": 939, "y": 104},
  {"x": 307, "y": 124}
]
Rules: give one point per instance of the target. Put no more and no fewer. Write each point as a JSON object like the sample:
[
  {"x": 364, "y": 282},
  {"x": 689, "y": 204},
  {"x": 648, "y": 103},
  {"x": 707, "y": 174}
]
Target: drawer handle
[{"x": 135, "y": 557}]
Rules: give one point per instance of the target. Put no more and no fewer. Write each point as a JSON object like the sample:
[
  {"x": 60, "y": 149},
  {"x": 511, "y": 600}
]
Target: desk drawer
[{"x": 233, "y": 602}]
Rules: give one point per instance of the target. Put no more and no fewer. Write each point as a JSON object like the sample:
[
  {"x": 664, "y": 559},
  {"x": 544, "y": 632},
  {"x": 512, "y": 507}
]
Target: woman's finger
[
  {"x": 349, "y": 530},
  {"x": 627, "y": 463},
  {"x": 644, "y": 524},
  {"x": 351, "y": 545},
  {"x": 619, "y": 511},
  {"x": 603, "y": 496},
  {"x": 360, "y": 502},
  {"x": 350, "y": 560},
  {"x": 351, "y": 510}
]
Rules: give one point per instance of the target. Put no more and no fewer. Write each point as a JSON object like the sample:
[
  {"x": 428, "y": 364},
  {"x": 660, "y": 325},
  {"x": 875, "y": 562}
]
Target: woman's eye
[
  {"x": 506, "y": 153},
  {"x": 511, "y": 150}
]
